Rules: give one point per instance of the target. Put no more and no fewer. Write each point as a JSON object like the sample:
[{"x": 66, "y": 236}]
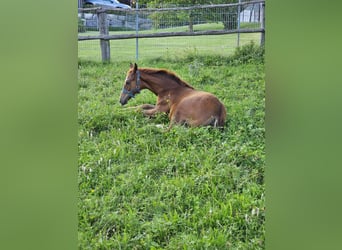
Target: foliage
[
  {"x": 228, "y": 16},
  {"x": 245, "y": 54},
  {"x": 249, "y": 53},
  {"x": 81, "y": 26},
  {"x": 190, "y": 188},
  {"x": 185, "y": 2},
  {"x": 169, "y": 19}
]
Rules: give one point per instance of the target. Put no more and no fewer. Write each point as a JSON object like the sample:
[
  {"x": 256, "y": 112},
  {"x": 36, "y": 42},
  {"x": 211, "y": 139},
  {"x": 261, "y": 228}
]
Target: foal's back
[{"x": 199, "y": 108}]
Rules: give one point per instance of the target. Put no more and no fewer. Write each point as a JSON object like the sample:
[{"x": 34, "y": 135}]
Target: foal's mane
[{"x": 168, "y": 74}]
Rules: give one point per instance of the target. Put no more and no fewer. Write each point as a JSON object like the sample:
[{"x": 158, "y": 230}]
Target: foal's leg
[
  {"x": 142, "y": 107},
  {"x": 169, "y": 127},
  {"x": 161, "y": 107},
  {"x": 146, "y": 106},
  {"x": 151, "y": 111}
]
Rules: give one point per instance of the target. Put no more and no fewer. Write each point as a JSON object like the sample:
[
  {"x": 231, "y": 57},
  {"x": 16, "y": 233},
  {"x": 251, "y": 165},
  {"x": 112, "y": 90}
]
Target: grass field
[
  {"x": 190, "y": 188},
  {"x": 150, "y": 48}
]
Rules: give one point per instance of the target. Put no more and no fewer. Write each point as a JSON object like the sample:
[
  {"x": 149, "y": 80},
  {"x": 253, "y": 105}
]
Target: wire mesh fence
[{"x": 214, "y": 29}]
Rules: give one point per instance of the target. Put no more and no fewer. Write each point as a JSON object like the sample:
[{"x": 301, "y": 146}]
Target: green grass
[{"x": 190, "y": 188}]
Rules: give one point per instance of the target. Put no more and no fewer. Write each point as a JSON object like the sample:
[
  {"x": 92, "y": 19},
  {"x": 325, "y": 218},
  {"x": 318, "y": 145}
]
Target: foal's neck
[{"x": 158, "y": 83}]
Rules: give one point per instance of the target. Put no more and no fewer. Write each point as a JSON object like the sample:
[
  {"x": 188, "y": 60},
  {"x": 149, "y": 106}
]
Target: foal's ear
[{"x": 135, "y": 67}]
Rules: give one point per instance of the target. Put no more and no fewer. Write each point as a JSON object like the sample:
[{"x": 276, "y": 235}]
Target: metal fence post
[
  {"x": 137, "y": 31},
  {"x": 238, "y": 24},
  {"x": 105, "y": 44}
]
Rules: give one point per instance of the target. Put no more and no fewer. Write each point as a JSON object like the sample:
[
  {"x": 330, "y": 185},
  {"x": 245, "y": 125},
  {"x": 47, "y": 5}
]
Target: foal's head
[{"x": 132, "y": 84}]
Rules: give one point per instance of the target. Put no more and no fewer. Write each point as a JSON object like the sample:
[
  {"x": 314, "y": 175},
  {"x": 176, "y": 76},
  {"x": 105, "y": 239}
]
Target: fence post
[
  {"x": 137, "y": 30},
  {"x": 262, "y": 10},
  {"x": 105, "y": 44},
  {"x": 238, "y": 24}
]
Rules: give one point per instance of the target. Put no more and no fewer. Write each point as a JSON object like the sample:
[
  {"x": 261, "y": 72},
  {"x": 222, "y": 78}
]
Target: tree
[{"x": 228, "y": 15}]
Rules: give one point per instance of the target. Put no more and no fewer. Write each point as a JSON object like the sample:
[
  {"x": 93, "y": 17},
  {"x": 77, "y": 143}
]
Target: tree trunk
[{"x": 191, "y": 23}]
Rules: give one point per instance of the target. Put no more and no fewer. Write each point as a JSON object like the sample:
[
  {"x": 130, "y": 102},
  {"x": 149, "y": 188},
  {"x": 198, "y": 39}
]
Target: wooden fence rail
[{"x": 169, "y": 34}]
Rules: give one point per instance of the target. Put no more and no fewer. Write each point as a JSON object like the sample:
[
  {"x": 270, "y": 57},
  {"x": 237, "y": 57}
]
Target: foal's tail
[
  {"x": 219, "y": 119},
  {"x": 222, "y": 117}
]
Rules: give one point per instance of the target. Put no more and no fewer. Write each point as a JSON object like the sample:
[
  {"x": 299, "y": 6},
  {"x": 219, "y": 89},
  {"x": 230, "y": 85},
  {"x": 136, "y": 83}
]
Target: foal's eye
[{"x": 127, "y": 82}]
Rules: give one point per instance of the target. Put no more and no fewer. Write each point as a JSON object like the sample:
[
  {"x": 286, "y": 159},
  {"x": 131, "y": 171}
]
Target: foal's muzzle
[
  {"x": 123, "y": 102},
  {"x": 124, "y": 98},
  {"x": 128, "y": 94}
]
